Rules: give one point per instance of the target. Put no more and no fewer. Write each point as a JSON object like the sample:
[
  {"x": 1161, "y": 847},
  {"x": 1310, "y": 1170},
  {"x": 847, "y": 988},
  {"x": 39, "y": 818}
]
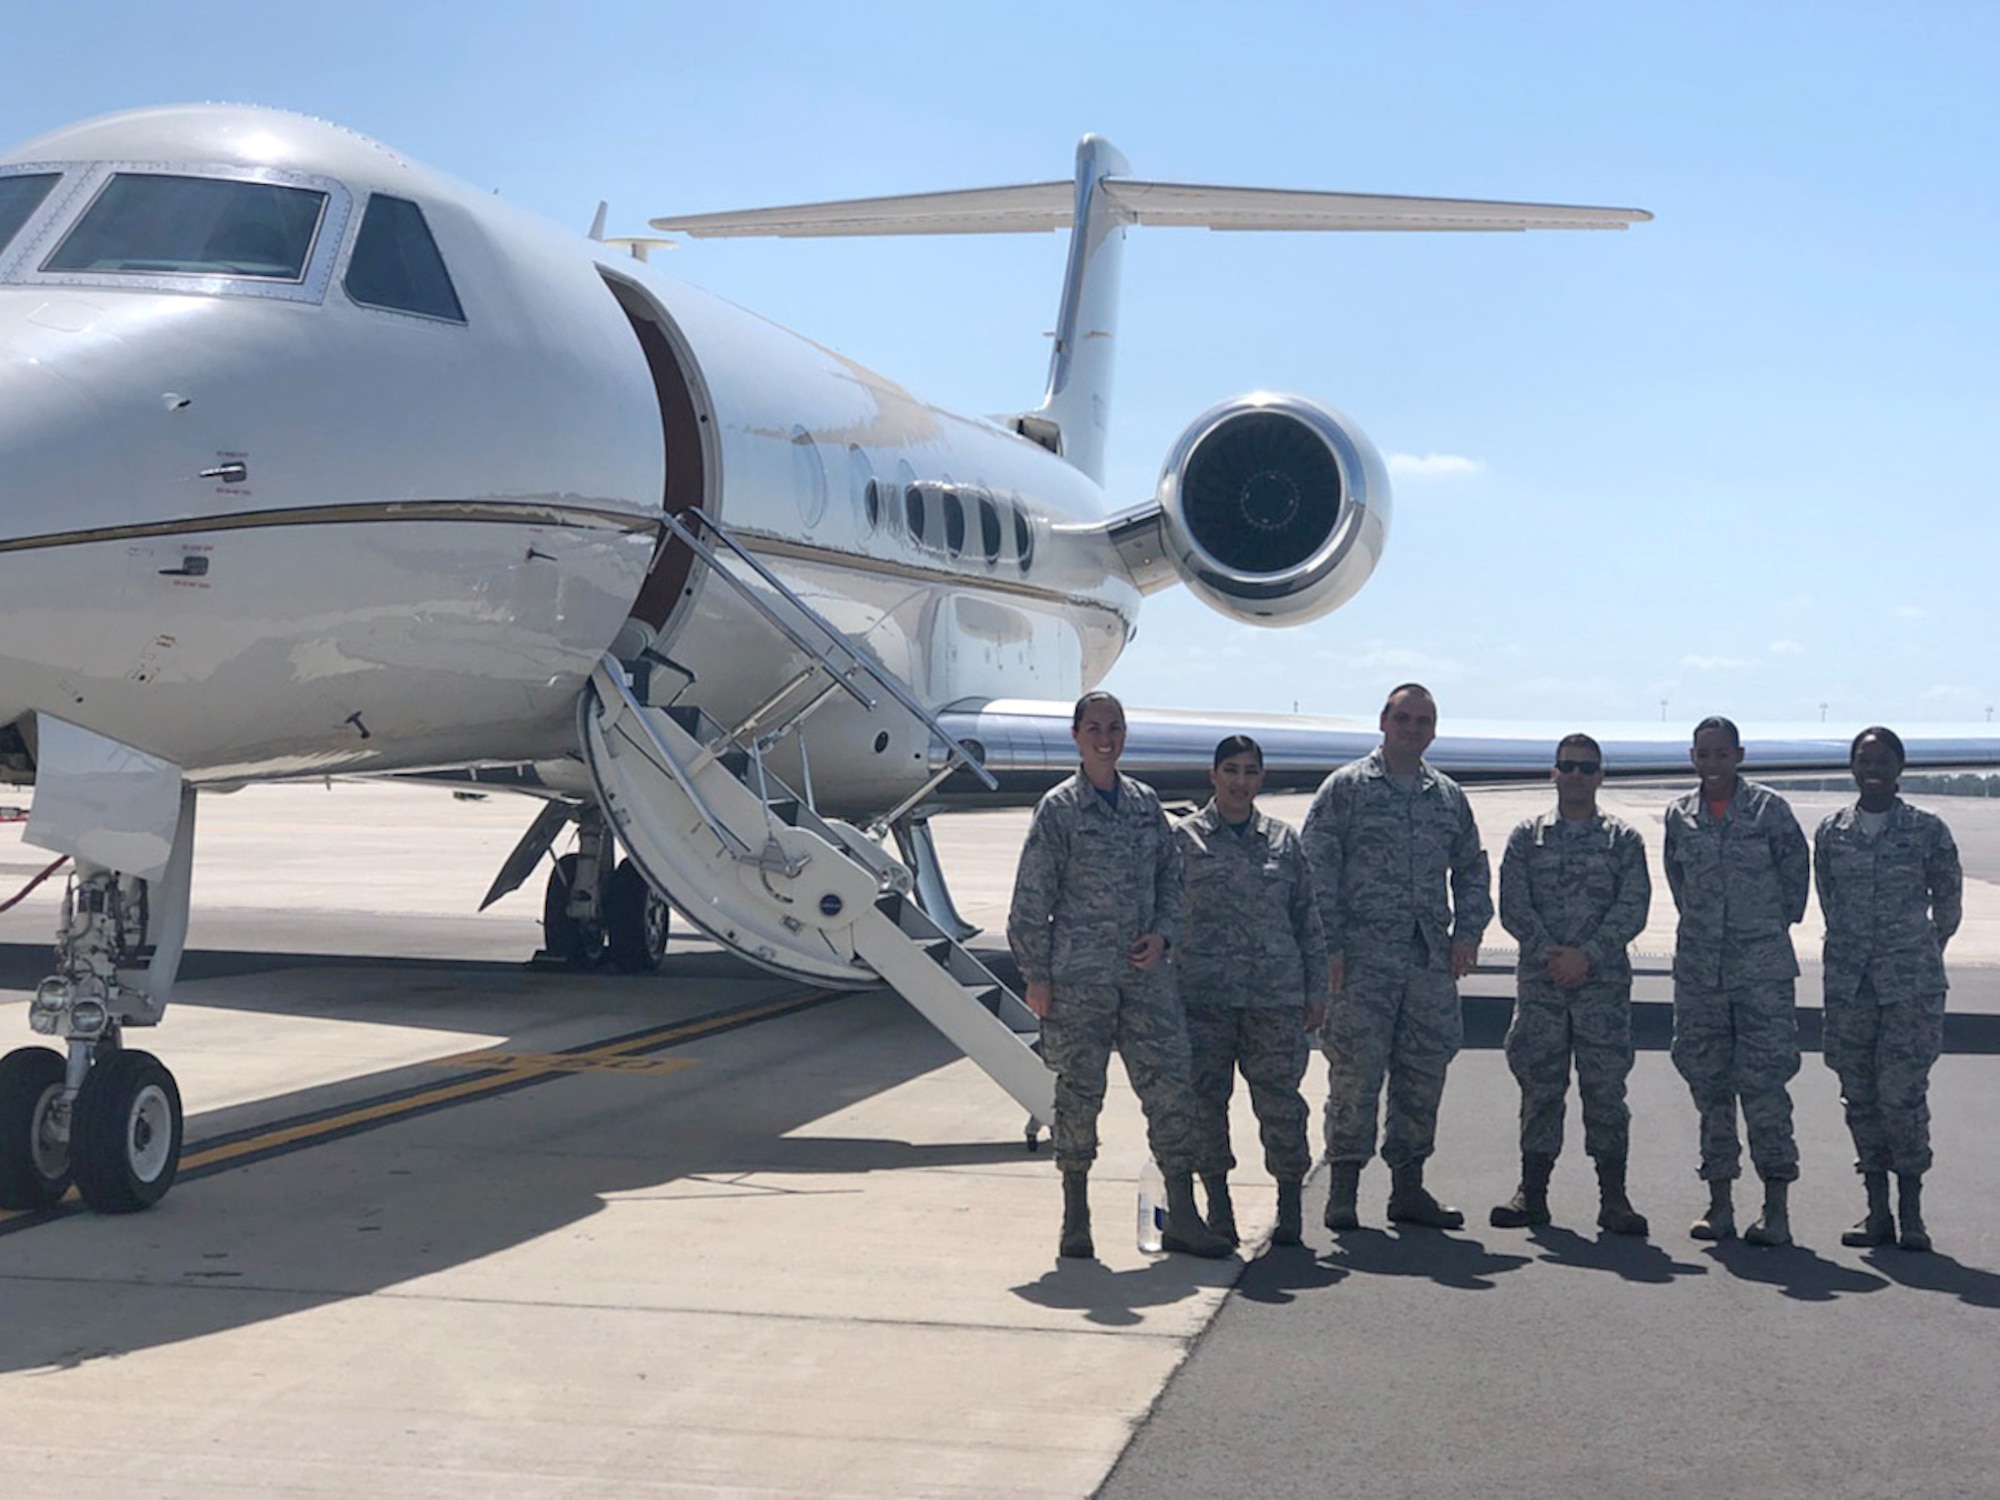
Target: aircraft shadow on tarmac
[
  {"x": 278, "y": 1237},
  {"x": 24, "y": 965}
]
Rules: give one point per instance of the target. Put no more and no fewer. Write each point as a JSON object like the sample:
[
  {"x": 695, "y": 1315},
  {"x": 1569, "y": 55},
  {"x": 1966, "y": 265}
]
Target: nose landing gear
[
  {"x": 34, "y": 1129},
  {"x": 125, "y": 1135}
]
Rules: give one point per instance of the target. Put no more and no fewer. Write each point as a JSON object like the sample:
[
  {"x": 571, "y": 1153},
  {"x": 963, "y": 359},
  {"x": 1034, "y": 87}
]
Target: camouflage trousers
[
  {"x": 1142, "y": 1019},
  {"x": 1740, "y": 1046},
  {"x": 1399, "y": 1019},
  {"x": 1269, "y": 1044},
  {"x": 1883, "y": 1055},
  {"x": 1593, "y": 1024}
]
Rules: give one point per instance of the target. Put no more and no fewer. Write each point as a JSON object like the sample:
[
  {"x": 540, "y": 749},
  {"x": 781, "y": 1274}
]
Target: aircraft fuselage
[{"x": 287, "y": 508}]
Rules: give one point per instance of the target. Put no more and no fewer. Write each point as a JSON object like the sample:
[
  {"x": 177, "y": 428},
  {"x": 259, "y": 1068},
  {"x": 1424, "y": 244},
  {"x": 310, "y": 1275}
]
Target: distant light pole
[
  {"x": 1663, "y": 711},
  {"x": 1822, "y": 713},
  {"x": 1989, "y": 713}
]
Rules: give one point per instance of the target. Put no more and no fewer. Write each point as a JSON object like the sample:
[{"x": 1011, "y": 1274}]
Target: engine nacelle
[{"x": 1274, "y": 509}]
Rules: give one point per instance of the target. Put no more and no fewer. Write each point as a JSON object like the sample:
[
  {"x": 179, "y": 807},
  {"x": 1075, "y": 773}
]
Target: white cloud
[
  {"x": 1912, "y": 612},
  {"x": 1786, "y": 648},
  {"x": 1712, "y": 663},
  {"x": 1432, "y": 465}
]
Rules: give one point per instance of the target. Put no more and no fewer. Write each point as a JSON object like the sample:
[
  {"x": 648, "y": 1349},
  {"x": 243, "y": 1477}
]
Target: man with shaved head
[{"x": 1405, "y": 896}]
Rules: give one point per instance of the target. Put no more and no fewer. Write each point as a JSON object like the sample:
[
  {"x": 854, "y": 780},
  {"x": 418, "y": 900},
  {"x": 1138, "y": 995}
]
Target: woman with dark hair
[
  {"x": 1891, "y": 890},
  {"x": 1253, "y": 971}
]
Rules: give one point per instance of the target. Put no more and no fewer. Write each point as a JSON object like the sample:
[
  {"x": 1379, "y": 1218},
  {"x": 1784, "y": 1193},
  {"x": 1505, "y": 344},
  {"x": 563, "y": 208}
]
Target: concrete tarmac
[{"x": 451, "y": 1226}]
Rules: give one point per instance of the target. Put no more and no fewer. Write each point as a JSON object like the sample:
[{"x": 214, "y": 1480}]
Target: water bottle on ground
[{"x": 1152, "y": 1206}]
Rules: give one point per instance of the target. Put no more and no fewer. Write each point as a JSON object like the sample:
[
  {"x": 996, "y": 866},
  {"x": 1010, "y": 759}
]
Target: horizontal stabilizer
[{"x": 1041, "y": 206}]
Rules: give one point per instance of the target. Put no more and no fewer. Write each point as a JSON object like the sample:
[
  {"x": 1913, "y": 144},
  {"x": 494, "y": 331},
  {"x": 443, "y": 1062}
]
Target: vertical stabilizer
[{"x": 1078, "y": 401}]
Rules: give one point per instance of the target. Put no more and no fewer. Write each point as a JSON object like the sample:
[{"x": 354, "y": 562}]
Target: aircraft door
[{"x": 682, "y": 430}]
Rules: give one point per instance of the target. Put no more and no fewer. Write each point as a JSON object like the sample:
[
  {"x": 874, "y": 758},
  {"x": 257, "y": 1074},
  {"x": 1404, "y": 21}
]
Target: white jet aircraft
[{"x": 314, "y": 462}]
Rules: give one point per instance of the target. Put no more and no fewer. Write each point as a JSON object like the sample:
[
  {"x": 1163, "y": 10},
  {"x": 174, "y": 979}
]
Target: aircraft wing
[
  {"x": 1027, "y": 746},
  {"x": 1042, "y": 206}
]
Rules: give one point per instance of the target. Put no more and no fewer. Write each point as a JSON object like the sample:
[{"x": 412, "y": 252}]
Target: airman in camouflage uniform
[
  {"x": 1097, "y": 902},
  {"x": 1405, "y": 894},
  {"x": 1740, "y": 872},
  {"x": 1573, "y": 892},
  {"x": 1891, "y": 889},
  {"x": 1253, "y": 971}
]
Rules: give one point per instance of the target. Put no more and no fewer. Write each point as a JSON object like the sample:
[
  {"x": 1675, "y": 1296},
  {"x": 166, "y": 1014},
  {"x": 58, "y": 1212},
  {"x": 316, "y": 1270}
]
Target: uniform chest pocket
[
  {"x": 1432, "y": 829},
  {"x": 1200, "y": 868},
  {"x": 1700, "y": 855}
]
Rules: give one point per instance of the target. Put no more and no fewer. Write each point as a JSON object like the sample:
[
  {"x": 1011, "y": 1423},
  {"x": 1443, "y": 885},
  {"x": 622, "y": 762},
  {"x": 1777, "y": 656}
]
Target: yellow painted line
[
  {"x": 519, "y": 1068},
  {"x": 558, "y": 1062},
  {"x": 288, "y": 1135},
  {"x": 499, "y": 1070}
]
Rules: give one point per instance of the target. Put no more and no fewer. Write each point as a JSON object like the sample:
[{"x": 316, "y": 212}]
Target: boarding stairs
[{"x": 750, "y": 861}]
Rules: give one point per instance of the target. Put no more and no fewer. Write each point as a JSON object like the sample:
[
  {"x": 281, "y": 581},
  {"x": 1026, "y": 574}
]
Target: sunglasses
[{"x": 1579, "y": 767}]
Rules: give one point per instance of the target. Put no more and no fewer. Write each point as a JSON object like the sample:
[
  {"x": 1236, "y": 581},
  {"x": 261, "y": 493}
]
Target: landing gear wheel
[
  {"x": 636, "y": 920},
  {"x": 578, "y": 944},
  {"x": 34, "y": 1166},
  {"x": 125, "y": 1137}
]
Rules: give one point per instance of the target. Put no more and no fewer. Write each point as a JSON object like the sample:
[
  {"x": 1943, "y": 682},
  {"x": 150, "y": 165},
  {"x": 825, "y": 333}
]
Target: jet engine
[{"x": 1274, "y": 508}]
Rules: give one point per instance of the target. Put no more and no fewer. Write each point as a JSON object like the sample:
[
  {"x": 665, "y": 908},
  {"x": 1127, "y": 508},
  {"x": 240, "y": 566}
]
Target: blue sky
[{"x": 1733, "y": 459}]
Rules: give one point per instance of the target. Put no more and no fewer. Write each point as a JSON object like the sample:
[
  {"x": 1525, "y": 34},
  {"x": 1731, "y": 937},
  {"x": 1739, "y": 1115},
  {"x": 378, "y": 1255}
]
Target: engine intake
[{"x": 1274, "y": 508}]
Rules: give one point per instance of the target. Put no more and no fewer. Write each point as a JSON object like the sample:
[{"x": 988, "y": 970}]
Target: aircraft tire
[
  {"x": 577, "y": 944},
  {"x": 34, "y": 1171},
  {"x": 125, "y": 1135},
  {"x": 636, "y": 921}
]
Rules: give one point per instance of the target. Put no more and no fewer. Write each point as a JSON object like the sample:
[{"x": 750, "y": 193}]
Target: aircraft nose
[
  {"x": 93, "y": 421},
  {"x": 50, "y": 424}
]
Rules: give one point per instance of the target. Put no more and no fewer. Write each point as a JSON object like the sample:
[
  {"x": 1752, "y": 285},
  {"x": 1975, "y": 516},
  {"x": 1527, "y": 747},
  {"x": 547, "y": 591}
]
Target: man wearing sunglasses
[
  {"x": 1738, "y": 865},
  {"x": 1574, "y": 893},
  {"x": 1405, "y": 896}
]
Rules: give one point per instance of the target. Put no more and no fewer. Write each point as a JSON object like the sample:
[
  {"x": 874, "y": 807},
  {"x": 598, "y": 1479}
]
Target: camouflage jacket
[
  {"x": 1092, "y": 880},
  {"x": 1575, "y": 884},
  {"x": 1891, "y": 902},
  {"x": 1739, "y": 884},
  {"x": 1253, "y": 936},
  {"x": 1389, "y": 862}
]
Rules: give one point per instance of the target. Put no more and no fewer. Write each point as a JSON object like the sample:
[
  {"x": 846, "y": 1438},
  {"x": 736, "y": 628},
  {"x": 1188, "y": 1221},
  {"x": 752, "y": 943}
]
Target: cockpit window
[
  {"x": 193, "y": 226},
  {"x": 396, "y": 264},
  {"x": 19, "y": 197}
]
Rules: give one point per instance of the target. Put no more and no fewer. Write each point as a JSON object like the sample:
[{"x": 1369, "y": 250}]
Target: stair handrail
[
  {"x": 883, "y": 679},
  {"x": 613, "y": 671}
]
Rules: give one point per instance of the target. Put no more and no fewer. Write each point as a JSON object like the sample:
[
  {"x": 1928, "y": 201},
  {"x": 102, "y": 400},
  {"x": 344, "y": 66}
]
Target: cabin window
[
  {"x": 396, "y": 264},
  {"x": 989, "y": 529},
  {"x": 1024, "y": 539},
  {"x": 913, "y": 512},
  {"x": 20, "y": 196},
  {"x": 808, "y": 478},
  {"x": 954, "y": 523},
  {"x": 151, "y": 225},
  {"x": 861, "y": 482}
]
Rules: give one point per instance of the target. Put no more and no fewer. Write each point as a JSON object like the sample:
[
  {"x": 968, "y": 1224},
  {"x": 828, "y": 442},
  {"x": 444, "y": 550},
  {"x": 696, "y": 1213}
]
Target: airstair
[{"x": 750, "y": 862}]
